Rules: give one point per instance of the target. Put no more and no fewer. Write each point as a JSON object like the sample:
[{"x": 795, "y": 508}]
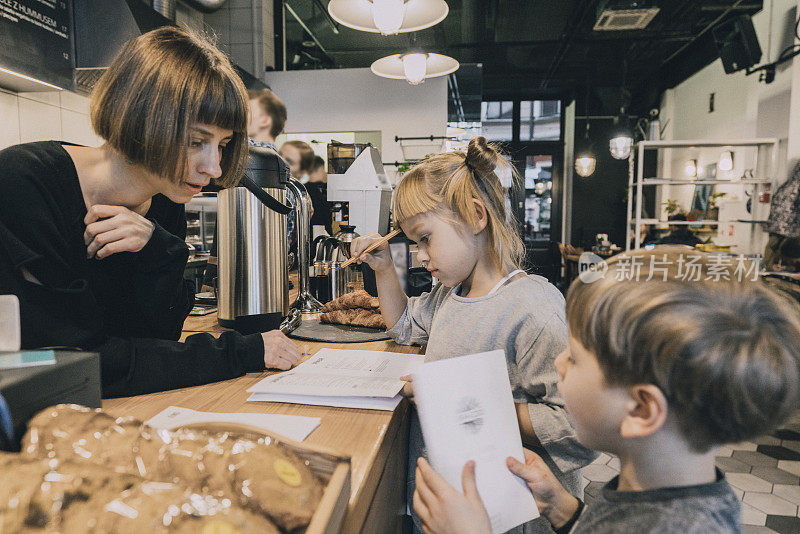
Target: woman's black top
[{"x": 129, "y": 307}]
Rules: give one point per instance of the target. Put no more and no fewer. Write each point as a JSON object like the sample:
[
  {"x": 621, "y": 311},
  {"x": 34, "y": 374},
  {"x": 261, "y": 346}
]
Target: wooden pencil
[{"x": 372, "y": 247}]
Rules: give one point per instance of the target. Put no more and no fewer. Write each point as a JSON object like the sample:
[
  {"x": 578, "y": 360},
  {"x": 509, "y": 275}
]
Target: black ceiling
[{"x": 534, "y": 48}]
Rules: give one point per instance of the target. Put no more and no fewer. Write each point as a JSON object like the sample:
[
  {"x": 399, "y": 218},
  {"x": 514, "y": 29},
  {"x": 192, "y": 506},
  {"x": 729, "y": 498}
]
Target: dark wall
[{"x": 599, "y": 201}]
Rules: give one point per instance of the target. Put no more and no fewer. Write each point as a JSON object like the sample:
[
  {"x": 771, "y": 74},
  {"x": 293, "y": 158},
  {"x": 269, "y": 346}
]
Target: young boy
[{"x": 661, "y": 373}]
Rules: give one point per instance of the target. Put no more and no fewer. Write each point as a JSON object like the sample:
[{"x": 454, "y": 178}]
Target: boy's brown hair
[
  {"x": 725, "y": 352},
  {"x": 158, "y": 86},
  {"x": 272, "y": 106}
]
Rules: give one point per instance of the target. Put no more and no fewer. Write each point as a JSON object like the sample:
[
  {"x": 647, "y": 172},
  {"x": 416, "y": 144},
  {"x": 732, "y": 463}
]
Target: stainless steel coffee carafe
[{"x": 253, "y": 271}]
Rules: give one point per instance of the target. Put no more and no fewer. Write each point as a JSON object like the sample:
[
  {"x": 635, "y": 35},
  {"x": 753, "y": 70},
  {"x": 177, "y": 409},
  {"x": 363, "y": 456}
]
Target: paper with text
[
  {"x": 294, "y": 427},
  {"x": 467, "y": 413},
  {"x": 343, "y": 373},
  {"x": 364, "y": 403}
]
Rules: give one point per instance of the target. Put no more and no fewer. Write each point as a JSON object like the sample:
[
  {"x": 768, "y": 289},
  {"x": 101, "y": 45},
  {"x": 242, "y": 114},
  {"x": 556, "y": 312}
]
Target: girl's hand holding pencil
[{"x": 374, "y": 250}]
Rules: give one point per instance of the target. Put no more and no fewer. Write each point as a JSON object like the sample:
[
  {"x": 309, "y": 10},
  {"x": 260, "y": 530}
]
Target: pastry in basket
[
  {"x": 81, "y": 470},
  {"x": 69, "y": 430},
  {"x": 275, "y": 482},
  {"x": 164, "y": 507},
  {"x": 355, "y": 299},
  {"x": 354, "y": 317},
  {"x": 66, "y": 492},
  {"x": 21, "y": 481},
  {"x": 39, "y": 494},
  {"x": 199, "y": 460}
]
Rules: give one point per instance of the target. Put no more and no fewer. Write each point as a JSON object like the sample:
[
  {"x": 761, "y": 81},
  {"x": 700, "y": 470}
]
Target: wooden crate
[{"x": 331, "y": 467}]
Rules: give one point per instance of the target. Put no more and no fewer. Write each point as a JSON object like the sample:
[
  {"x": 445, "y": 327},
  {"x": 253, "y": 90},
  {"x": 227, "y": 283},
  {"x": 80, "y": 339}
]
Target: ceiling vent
[{"x": 624, "y": 19}]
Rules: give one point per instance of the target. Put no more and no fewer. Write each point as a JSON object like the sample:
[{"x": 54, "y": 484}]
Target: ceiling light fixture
[
  {"x": 388, "y": 17},
  {"x": 622, "y": 141},
  {"x": 725, "y": 161},
  {"x": 691, "y": 168},
  {"x": 586, "y": 162},
  {"x": 414, "y": 67}
]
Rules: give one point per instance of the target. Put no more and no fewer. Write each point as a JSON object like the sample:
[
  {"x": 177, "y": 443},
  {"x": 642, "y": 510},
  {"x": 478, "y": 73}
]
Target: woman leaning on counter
[{"x": 92, "y": 239}]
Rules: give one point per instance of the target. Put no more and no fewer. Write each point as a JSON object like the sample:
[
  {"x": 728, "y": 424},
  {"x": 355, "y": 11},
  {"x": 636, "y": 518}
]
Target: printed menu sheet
[
  {"x": 343, "y": 373},
  {"x": 294, "y": 427},
  {"x": 467, "y": 412}
]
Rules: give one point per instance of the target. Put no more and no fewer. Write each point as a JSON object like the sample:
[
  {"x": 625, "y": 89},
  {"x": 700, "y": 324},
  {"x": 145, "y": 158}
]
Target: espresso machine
[
  {"x": 253, "y": 270},
  {"x": 361, "y": 187}
]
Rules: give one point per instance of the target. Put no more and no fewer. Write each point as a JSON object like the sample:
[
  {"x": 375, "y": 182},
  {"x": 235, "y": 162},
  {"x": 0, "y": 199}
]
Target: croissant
[
  {"x": 355, "y": 299},
  {"x": 354, "y": 317}
]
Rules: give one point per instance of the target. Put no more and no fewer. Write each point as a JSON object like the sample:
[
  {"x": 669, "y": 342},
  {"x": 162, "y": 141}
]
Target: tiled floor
[{"x": 764, "y": 474}]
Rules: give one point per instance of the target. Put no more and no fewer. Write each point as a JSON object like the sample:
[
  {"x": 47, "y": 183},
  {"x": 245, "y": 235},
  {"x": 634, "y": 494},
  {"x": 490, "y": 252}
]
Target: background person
[
  {"x": 317, "y": 187},
  {"x": 299, "y": 156},
  {"x": 679, "y": 233},
  {"x": 266, "y": 118}
]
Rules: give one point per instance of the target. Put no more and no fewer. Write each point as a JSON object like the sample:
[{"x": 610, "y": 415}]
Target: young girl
[{"x": 453, "y": 206}]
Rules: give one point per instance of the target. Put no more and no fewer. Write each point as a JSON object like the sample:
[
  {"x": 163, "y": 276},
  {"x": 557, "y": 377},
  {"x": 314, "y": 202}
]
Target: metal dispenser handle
[{"x": 305, "y": 302}]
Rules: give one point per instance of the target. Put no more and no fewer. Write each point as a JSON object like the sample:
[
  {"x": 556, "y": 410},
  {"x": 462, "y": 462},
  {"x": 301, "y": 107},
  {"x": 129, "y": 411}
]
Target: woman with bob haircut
[{"x": 92, "y": 239}]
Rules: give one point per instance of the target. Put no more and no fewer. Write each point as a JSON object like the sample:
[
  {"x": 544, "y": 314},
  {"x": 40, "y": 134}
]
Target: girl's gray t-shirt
[{"x": 526, "y": 319}]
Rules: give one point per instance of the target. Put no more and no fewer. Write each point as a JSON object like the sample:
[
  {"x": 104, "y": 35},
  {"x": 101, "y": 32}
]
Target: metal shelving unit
[{"x": 765, "y": 168}]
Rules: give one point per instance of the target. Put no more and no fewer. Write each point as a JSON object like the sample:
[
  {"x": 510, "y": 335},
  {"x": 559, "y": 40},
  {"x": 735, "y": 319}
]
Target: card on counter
[
  {"x": 28, "y": 358},
  {"x": 294, "y": 427}
]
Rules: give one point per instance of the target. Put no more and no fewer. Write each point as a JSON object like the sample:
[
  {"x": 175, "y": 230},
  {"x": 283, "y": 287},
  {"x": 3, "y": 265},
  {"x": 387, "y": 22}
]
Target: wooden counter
[{"x": 376, "y": 441}]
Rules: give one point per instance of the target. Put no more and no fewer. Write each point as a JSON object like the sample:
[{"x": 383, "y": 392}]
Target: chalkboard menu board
[{"x": 36, "y": 39}]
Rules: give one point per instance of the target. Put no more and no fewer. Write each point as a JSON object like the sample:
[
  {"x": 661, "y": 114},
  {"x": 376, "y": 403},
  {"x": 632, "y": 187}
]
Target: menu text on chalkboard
[{"x": 36, "y": 39}]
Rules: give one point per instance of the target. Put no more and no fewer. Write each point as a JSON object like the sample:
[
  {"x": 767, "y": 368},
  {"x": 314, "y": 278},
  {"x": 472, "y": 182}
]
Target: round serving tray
[{"x": 311, "y": 329}]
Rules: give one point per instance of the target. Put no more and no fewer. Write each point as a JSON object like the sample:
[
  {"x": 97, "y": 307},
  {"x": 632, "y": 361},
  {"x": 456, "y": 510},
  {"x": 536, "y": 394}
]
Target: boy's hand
[
  {"x": 445, "y": 510},
  {"x": 379, "y": 259},
  {"x": 554, "y": 503},
  {"x": 408, "y": 388}
]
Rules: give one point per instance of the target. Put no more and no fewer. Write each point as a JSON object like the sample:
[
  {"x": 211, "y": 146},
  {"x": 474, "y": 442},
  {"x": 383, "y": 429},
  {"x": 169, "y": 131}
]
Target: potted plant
[
  {"x": 712, "y": 210},
  {"x": 694, "y": 215},
  {"x": 671, "y": 207}
]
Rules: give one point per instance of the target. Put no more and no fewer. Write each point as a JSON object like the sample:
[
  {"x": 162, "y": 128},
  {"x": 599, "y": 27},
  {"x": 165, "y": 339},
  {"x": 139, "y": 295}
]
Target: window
[
  {"x": 497, "y": 120},
  {"x": 538, "y": 197},
  {"x": 540, "y": 120}
]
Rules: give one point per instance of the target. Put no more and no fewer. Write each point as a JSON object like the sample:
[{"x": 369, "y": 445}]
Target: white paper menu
[
  {"x": 294, "y": 427},
  {"x": 467, "y": 413},
  {"x": 344, "y": 373}
]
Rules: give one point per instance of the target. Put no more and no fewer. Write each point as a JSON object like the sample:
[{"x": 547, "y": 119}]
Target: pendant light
[
  {"x": 388, "y": 17},
  {"x": 414, "y": 67},
  {"x": 725, "y": 162},
  {"x": 622, "y": 141},
  {"x": 586, "y": 161},
  {"x": 691, "y": 168}
]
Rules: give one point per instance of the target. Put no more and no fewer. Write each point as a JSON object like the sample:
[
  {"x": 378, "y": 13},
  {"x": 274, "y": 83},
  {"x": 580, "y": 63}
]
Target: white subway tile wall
[{"x": 45, "y": 116}]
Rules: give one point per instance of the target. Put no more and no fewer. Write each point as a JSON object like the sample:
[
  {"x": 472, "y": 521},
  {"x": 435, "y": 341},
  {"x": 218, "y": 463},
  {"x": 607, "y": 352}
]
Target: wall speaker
[{"x": 737, "y": 44}]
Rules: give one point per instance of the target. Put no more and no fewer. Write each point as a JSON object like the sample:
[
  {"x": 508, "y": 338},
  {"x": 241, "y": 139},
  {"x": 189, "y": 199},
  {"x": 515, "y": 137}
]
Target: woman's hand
[
  {"x": 445, "y": 510},
  {"x": 279, "y": 351},
  {"x": 408, "y": 388},
  {"x": 112, "y": 229},
  {"x": 379, "y": 259},
  {"x": 554, "y": 503}
]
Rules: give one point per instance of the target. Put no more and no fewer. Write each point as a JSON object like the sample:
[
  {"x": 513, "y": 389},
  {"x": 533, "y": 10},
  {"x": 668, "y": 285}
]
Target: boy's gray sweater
[{"x": 703, "y": 509}]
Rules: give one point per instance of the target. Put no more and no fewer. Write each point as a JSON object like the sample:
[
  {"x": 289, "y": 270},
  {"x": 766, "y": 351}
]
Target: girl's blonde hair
[{"x": 448, "y": 182}]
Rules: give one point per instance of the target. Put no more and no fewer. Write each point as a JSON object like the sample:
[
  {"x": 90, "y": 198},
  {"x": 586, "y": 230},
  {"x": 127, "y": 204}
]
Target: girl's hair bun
[{"x": 481, "y": 156}]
